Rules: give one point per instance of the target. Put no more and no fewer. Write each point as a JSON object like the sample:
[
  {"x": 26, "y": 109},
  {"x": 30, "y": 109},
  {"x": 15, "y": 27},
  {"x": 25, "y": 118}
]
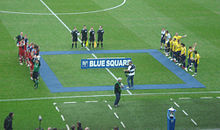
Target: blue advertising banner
[{"x": 104, "y": 63}]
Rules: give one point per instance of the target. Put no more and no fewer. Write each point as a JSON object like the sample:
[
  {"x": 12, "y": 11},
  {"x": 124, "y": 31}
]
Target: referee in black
[
  {"x": 84, "y": 35},
  {"x": 100, "y": 36},
  {"x": 91, "y": 37},
  {"x": 74, "y": 34}
]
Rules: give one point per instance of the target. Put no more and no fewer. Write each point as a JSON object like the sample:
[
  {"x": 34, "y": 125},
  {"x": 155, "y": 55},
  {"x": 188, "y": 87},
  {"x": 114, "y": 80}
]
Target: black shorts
[
  {"x": 168, "y": 50},
  {"x": 84, "y": 38},
  {"x": 183, "y": 58},
  {"x": 74, "y": 39},
  {"x": 100, "y": 39},
  {"x": 162, "y": 40},
  {"x": 178, "y": 53},
  {"x": 35, "y": 75},
  {"x": 91, "y": 39}
]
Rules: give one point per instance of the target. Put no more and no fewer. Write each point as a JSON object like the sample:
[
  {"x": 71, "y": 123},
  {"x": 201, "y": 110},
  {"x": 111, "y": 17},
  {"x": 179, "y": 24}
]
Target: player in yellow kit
[
  {"x": 190, "y": 57},
  {"x": 175, "y": 43},
  {"x": 196, "y": 62},
  {"x": 179, "y": 37},
  {"x": 178, "y": 51},
  {"x": 183, "y": 55}
]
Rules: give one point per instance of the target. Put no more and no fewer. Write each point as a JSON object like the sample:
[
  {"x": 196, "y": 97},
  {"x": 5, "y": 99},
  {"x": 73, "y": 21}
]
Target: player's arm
[
  {"x": 194, "y": 46},
  {"x": 184, "y": 36}
]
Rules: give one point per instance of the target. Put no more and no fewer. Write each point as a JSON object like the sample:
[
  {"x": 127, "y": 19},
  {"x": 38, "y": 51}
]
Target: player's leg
[
  {"x": 92, "y": 43},
  {"x": 98, "y": 42},
  {"x": 117, "y": 98},
  {"x": 72, "y": 44},
  {"x": 195, "y": 65},
  {"x": 83, "y": 39},
  {"x": 132, "y": 81},
  {"x": 31, "y": 70},
  {"x": 128, "y": 81},
  {"x": 102, "y": 43},
  {"x": 183, "y": 61},
  {"x": 82, "y": 44},
  {"x": 75, "y": 44}
]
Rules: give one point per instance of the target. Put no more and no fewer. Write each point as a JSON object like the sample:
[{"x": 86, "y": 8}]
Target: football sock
[
  {"x": 72, "y": 45},
  {"x": 97, "y": 44},
  {"x": 75, "y": 45},
  {"x": 102, "y": 45},
  {"x": 93, "y": 45}
]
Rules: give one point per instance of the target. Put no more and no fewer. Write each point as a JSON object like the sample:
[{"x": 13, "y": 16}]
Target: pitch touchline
[
  {"x": 90, "y": 96},
  {"x": 86, "y": 12},
  {"x": 78, "y": 39}
]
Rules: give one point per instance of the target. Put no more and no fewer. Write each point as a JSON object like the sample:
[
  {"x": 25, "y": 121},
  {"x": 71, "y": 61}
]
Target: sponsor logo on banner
[{"x": 104, "y": 63}]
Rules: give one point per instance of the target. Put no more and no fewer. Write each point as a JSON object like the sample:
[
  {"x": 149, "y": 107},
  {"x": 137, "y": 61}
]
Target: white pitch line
[
  {"x": 116, "y": 115},
  {"x": 109, "y": 107},
  {"x": 123, "y": 124},
  {"x": 62, "y": 117},
  {"x": 111, "y": 95},
  {"x": 90, "y": 101},
  {"x": 69, "y": 102},
  {"x": 67, "y": 127},
  {"x": 78, "y": 39},
  {"x": 218, "y": 97},
  {"x": 176, "y": 104},
  {"x": 57, "y": 109},
  {"x": 185, "y": 113},
  {"x": 206, "y": 97},
  {"x": 184, "y": 98},
  {"x": 194, "y": 122},
  {"x": 87, "y": 12},
  {"x": 54, "y": 103}
]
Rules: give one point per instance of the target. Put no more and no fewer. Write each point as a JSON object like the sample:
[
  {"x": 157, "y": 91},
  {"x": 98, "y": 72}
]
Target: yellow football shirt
[
  {"x": 178, "y": 47},
  {"x": 175, "y": 46},
  {"x": 177, "y": 37},
  {"x": 190, "y": 53},
  {"x": 197, "y": 57},
  {"x": 183, "y": 51}
]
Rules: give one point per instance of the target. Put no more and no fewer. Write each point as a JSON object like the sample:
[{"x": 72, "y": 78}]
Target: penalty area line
[{"x": 78, "y": 39}]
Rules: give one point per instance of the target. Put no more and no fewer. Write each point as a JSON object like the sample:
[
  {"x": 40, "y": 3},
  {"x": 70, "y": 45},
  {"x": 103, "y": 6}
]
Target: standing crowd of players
[
  {"x": 29, "y": 55},
  {"x": 84, "y": 37},
  {"x": 176, "y": 51}
]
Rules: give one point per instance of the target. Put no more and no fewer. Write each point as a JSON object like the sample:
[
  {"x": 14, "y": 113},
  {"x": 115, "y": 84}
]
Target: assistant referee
[
  {"x": 84, "y": 36},
  {"x": 100, "y": 33}
]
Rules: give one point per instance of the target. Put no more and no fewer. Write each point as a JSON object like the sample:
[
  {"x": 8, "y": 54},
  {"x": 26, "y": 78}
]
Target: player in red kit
[
  {"x": 25, "y": 49},
  {"x": 21, "y": 51}
]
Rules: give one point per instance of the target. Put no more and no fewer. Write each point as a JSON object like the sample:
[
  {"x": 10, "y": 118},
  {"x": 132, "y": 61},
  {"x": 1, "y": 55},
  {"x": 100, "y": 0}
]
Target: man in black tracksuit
[
  {"x": 117, "y": 90},
  {"x": 8, "y": 121}
]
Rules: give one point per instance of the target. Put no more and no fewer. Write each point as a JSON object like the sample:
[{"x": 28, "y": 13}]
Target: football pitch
[{"x": 68, "y": 94}]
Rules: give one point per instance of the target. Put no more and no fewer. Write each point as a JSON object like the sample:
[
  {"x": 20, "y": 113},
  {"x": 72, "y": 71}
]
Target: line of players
[
  {"x": 29, "y": 54},
  {"x": 177, "y": 51},
  {"x": 84, "y": 37}
]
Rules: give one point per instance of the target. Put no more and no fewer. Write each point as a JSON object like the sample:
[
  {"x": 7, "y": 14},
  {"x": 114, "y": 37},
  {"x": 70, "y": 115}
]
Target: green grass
[
  {"x": 135, "y": 25},
  {"x": 149, "y": 71}
]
